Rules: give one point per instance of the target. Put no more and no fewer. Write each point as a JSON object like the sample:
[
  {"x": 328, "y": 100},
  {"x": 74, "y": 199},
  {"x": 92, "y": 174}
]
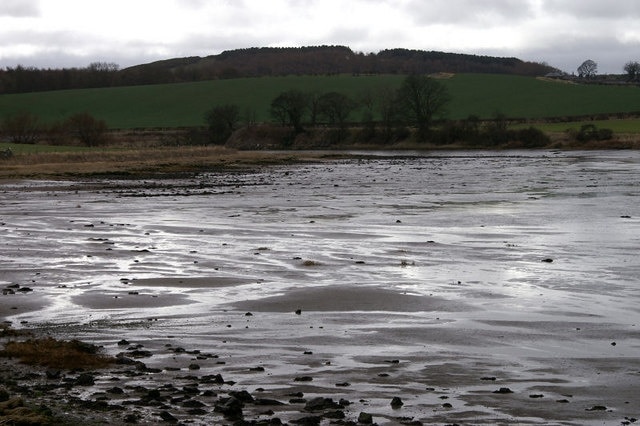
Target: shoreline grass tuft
[{"x": 60, "y": 354}]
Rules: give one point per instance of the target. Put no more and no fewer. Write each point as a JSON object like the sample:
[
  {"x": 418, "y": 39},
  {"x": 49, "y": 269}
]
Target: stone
[
  {"x": 396, "y": 402},
  {"x": 168, "y": 417},
  {"x": 85, "y": 379},
  {"x": 365, "y": 418},
  {"x": 231, "y": 408},
  {"x": 320, "y": 403}
]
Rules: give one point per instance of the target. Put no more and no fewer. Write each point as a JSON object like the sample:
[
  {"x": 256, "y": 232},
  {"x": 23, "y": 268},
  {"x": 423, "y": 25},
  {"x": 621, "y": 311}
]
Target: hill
[
  {"x": 323, "y": 60},
  {"x": 184, "y": 104},
  {"x": 262, "y": 62}
]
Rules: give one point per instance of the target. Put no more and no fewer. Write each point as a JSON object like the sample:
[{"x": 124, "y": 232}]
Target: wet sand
[{"x": 497, "y": 290}]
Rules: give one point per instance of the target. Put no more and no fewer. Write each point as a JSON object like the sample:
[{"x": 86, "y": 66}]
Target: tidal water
[{"x": 517, "y": 258}]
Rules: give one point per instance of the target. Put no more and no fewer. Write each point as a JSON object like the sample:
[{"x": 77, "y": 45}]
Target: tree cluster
[
  {"x": 29, "y": 79},
  {"x": 416, "y": 103},
  {"x": 82, "y": 128}
]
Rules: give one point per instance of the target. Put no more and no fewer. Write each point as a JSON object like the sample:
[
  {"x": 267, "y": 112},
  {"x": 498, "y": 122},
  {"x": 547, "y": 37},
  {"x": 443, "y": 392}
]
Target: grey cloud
[
  {"x": 566, "y": 51},
  {"x": 468, "y": 11},
  {"x": 20, "y": 8},
  {"x": 594, "y": 9}
]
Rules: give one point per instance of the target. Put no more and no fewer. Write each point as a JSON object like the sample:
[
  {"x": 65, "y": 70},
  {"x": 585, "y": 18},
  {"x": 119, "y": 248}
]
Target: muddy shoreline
[{"x": 458, "y": 289}]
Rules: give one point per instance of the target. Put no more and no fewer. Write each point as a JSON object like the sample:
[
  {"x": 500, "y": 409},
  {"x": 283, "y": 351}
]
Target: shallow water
[{"x": 521, "y": 265}]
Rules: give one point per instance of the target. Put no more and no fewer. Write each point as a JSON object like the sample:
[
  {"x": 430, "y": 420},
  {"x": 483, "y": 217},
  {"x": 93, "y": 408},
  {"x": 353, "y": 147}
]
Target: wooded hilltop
[{"x": 264, "y": 61}]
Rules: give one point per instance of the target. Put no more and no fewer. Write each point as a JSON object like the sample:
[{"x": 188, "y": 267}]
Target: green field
[{"x": 184, "y": 104}]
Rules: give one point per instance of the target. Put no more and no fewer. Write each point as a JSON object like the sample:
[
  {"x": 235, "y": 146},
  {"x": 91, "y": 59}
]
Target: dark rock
[
  {"x": 320, "y": 403},
  {"x": 308, "y": 421},
  {"x": 140, "y": 354},
  {"x": 197, "y": 411},
  {"x": 217, "y": 379},
  {"x": 343, "y": 384},
  {"x": 337, "y": 414},
  {"x": 536, "y": 395},
  {"x": 503, "y": 391},
  {"x": 231, "y": 408},
  {"x": 447, "y": 405},
  {"x": 191, "y": 390},
  {"x": 153, "y": 394},
  {"x": 53, "y": 374},
  {"x": 344, "y": 402},
  {"x": 242, "y": 396},
  {"x": 122, "y": 359},
  {"x": 123, "y": 342},
  {"x": 85, "y": 379},
  {"x": 25, "y": 290},
  {"x": 115, "y": 390},
  {"x": 597, "y": 408},
  {"x": 193, "y": 403},
  {"x": 167, "y": 417},
  {"x": 194, "y": 367},
  {"x": 396, "y": 402},
  {"x": 303, "y": 379},
  {"x": 267, "y": 401},
  {"x": 493, "y": 379},
  {"x": 298, "y": 311},
  {"x": 547, "y": 260},
  {"x": 365, "y": 418},
  {"x": 257, "y": 369},
  {"x": 131, "y": 418}
]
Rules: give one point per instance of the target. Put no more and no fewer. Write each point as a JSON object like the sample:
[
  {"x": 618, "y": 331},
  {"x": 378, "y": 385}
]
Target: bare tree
[
  {"x": 422, "y": 98},
  {"x": 588, "y": 69},
  {"x": 289, "y": 108},
  {"x": 222, "y": 121},
  {"x": 336, "y": 107},
  {"x": 633, "y": 70}
]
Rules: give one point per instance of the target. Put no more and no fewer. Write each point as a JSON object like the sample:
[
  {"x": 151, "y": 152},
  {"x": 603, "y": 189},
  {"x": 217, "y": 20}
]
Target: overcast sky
[{"x": 563, "y": 33}]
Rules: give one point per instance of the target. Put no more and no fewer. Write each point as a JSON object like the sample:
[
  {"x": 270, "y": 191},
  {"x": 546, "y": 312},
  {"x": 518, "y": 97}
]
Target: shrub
[
  {"x": 222, "y": 121},
  {"x": 531, "y": 137},
  {"x": 87, "y": 129},
  {"x": 21, "y": 128},
  {"x": 589, "y": 132}
]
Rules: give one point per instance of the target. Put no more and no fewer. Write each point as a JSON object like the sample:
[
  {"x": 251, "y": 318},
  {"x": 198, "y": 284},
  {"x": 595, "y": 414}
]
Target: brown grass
[
  {"x": 52, "y": 353},
  {"x": 137, "y": 161}
]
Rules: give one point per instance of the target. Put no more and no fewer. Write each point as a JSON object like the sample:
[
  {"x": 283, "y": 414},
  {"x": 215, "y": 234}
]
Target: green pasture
[{"x": 184, "y": 104}]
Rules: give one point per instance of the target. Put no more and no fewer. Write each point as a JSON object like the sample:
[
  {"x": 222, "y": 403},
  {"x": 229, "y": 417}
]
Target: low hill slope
[{"x": 184, "y": 104}]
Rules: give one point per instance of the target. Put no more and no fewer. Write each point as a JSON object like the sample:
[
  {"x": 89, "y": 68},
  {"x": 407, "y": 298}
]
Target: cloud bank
[{"x": 563, "y": 33}]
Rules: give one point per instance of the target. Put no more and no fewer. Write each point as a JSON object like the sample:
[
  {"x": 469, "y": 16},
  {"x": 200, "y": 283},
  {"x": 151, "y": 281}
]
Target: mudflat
[{"x": 447, "y": 288}]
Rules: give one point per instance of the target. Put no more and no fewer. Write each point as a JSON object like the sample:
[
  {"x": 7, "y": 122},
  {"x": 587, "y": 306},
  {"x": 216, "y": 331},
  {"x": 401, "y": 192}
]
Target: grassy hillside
[{"x": 175, "y": 105}]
